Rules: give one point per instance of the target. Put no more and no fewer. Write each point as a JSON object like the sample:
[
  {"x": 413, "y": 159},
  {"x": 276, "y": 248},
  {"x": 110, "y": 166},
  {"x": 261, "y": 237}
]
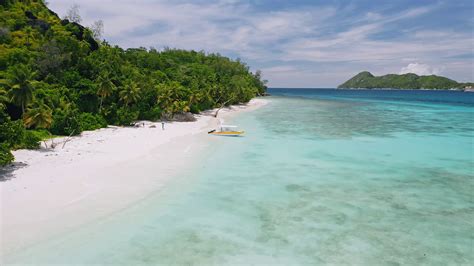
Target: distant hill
[{"x": 366, "y": 80}]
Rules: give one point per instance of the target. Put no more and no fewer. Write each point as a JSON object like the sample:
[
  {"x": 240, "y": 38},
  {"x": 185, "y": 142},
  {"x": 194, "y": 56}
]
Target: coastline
[
  {"x": 400, "y": 89},
  {"x": 52, "y": 191}
]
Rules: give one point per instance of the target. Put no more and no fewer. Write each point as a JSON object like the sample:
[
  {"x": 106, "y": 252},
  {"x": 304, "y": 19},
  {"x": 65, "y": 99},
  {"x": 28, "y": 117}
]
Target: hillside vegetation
[
  {"x": 56, "y": 77},
  {"x": 405, "y": 81}
]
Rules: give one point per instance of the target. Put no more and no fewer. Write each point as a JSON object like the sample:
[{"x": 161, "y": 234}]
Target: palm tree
[
  {"x": 130, "y": 93},
  {"x": 21, "y": 84},
  {"x": 195, "y": 97},
  {"x": 28, "y": 31},
  {"x": 165, "y": 95},
  {"x": 105, "y": 87},
  {"x": 40, "y": 116},
  {"x": 3, "y": 97}
]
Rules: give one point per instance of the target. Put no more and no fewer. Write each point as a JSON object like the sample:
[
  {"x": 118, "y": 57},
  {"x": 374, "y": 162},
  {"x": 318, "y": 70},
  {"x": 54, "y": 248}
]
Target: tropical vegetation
[
  {"x": 366, "y": 80},
  {"x": 58, "y": 76}
]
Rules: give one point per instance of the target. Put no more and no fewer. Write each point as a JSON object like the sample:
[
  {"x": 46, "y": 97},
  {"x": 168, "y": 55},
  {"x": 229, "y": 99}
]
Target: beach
[
  {"x": 322, "y": 176},
  {"x": 52, "y": 191}
]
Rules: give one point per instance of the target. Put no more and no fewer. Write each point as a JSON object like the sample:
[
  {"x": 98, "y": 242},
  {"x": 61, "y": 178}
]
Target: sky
[{"x": 300, "y": 43}]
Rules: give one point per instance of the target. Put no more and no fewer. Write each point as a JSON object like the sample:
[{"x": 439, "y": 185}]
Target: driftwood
[
  {"x": 45, "y": 144},
  {"x": 222, "y": 106},
  {"x": 53, "y": 145},
  {"x": 52, "y": 142},
  {"x": 138, "y": 124},
  {"x": 69, "y": 138}
]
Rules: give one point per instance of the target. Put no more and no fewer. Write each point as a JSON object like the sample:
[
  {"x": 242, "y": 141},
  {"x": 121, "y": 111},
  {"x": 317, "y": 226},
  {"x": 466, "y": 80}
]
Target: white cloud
[
  {"x": 371, "y": 16},
  {"x": 420, "y": 69},
  {"x": 318, "y": 36}
]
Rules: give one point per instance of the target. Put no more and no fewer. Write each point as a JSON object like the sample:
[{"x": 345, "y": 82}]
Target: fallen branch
[
  {"x": 45, "y": 141},
  {"x": 222, "y": 106},
  {"x": 67, "y": 139}
]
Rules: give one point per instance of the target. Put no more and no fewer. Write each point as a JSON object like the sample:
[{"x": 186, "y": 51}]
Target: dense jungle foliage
[{"x": 56, "y": 77}]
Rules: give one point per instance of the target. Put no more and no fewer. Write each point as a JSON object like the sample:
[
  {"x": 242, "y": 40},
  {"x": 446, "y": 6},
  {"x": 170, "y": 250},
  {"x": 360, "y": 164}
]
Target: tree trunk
[
  {"x": 68, "y": 139},
  {"x": 222, "y": 106},
  {"x": 217, "y": 112}
]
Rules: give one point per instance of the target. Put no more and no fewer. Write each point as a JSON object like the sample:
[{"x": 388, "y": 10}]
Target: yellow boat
[{"x": 227, "y": 131}]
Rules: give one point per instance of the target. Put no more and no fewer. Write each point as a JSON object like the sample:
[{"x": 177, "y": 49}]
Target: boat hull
[{"x": 228, "y": 133}]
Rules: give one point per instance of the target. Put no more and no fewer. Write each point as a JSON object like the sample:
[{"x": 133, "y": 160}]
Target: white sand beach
[{"x": 50, "y": 191}]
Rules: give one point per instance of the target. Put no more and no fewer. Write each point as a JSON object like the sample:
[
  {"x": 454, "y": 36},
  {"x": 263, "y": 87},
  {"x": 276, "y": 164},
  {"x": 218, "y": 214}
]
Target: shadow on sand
[{"x": 6, "y": 173}]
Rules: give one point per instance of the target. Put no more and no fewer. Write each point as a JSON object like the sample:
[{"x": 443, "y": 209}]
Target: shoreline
[
  {"x": 399, "y": 89},
  {"x": 375, "y": 89},
  {"x": 52, "y": 191}
]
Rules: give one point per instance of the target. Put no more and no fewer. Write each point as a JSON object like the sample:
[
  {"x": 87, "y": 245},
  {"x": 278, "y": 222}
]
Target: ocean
[{"x": 322, "y": 176}]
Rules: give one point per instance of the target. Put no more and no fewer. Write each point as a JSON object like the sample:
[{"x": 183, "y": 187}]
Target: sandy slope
[{"x": 96, "y": 174}]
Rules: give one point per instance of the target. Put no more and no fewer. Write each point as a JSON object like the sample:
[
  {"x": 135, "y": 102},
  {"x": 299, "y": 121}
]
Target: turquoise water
[{"x": 320, "y": 178}]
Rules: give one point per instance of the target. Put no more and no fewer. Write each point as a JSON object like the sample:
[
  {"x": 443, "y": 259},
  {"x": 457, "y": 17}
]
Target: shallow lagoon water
[{"x": 322, "y": 177}]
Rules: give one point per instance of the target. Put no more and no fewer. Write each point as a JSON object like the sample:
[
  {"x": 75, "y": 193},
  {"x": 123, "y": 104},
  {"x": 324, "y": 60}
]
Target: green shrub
[
  {"x": 30, "y": 141},
  {"x": 5, "y": 36},
  {"x": 195, "y": 109},
  {"x": 90, "y": 121},
  {"x": 12, "y": 132},
  {"x": 66, "y": 123},
  {"x": 152, "y": 114},
  {"x": 41, "y": 134},
  {"x": 6, "y": 156},
  {"x": 125, "y": 116}
]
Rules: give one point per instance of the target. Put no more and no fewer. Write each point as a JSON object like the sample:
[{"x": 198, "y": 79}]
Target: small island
[{"x": 365, "y": 80}]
